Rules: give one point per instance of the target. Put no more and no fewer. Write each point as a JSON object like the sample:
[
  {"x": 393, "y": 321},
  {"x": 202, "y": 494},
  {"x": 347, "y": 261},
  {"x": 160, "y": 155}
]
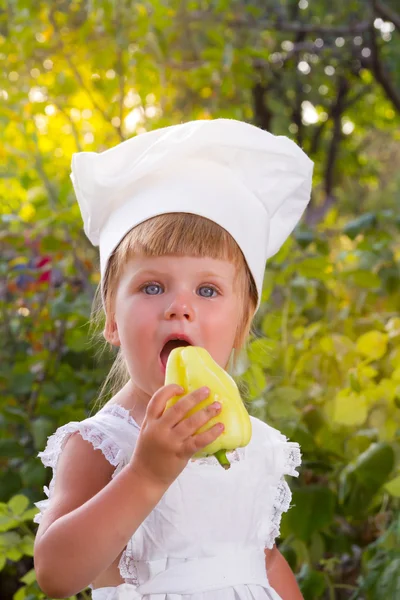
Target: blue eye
[
  {"x": 153, "y": 289},
  {"x": 210, "y": 289}
]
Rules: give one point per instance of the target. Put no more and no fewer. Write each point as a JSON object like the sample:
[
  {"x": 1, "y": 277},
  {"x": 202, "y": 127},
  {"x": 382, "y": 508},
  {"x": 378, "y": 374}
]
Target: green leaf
[
  {"x": 7, "y": 523},
  {"x": 10, "y": 483},
  {"x": 18, "y": 504},
  {"x": 390, "y": 277},
  {"x": 9, "y": 543},
  {"x": 374, "y": 465},
  {"x": 360, "y": 225},
  {"x": 393, "y": 327},
  {"x": 312, "y": 510},
  {"x": 299, "y": 547},
  {"x": 41, "y": 428},
  {"x": 317, "y": 547},
  {"x": 29, "y": 514},
  {"x": 11, "y": 449},
  {"x": 389, "y": 583},
  {"x": 33, "y": 474},
  {"x": 27, "y": 544},
  {"x": 314, "y": 268},
  {"x": 364, "y": 279},
  {"x": 262, "y": 352},
  {"x": 49, "y": 243},
  {"x": 393, "y": 487},
  {"x": 29, "y": 577},
  {"x": 21, "y": 594},
  {"x": 350, "y": 408},
  {"x": 14, "y": 554},
  {"x": 77, "y": 340},
  {"x": 364, "y": 477},
  {"x": 60, "y": 309},
  {"x": 312, "y": 583},
  {"x": 373, "y": 344},
  {"x": 22, "y": 382},
  {"x": 304, "y": 238},
  {"x": 9, "y": 539},
  {"x": 15, "y": 414}
]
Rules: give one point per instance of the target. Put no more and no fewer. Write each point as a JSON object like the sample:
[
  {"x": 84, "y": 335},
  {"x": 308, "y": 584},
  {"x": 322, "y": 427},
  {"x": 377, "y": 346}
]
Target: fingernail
[
  {"x": 216, "y": 405},
  {"x": 221, "y": 426},
  {"x": 205, "y": 390}
]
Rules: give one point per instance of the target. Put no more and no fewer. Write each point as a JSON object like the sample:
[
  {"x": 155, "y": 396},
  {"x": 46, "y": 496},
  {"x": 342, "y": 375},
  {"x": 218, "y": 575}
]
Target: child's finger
[
  {"x": 178, "y": 411},
  {"x": 187, "y": 427},
  {"x": 201, "y": 440},
  {"x": 156, "y": 406}
]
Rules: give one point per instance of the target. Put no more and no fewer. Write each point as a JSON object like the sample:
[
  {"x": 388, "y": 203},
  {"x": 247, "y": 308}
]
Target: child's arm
[
  {"x": 281, "y": 576},
  {"x": 91, "y": 518}
]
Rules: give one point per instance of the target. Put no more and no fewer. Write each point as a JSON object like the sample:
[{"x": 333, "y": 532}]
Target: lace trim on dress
[
  {"x": 292, "y": 458},
  {"x": 100, "y": 441},
  {"x": 55, "y": 444},
  {"x": 283, "y": 495},
  {"x": 120, "y": 411},
  {"x": 127, "y": 566}
]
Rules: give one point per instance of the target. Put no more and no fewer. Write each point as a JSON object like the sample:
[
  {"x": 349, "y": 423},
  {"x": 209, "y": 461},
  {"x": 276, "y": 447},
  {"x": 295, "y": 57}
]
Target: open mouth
[{"x": 168, "y": 347}]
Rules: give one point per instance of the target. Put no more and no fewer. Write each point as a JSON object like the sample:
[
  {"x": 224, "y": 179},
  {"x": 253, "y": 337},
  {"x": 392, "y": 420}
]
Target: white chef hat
[{"x": 253, "y": 184}]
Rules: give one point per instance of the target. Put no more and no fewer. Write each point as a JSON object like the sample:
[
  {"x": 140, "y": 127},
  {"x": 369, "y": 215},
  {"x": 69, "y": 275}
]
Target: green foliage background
[{"x": 324, "y": 364}]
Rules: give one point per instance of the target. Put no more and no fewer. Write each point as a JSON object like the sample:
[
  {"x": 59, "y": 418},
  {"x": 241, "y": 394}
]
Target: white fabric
[
  {"x": 250, "y": 182},
  {"x": 98, "y": 432},
  {"x": 208, "y": 515},
  {"x": 187, "y": 577}
]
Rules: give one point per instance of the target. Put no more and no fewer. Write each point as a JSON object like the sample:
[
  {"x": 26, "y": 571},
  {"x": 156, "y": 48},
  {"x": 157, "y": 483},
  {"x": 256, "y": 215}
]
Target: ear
[{"x": 111, "y": 332}]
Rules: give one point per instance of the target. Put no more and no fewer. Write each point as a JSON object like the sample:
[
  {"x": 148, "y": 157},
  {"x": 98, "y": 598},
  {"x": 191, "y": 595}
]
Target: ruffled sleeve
[
  {"x": 282, "y": 496},
  {"x": 95, "y": 430},
  {"x": 281, "y": 458}
]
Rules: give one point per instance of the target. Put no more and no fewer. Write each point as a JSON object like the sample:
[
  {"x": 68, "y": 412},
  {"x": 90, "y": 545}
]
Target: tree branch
[
  {"x": 280, "y": 25},
  {"x": 315, "y": 213},
  {"x": 387, "y": 13},
  {"x": 285, "y": 56},
  {"x": 337, "y": 111},
  {"x": 316, "y": 138},
  {"x": 64, "y": 52},
  {"x": 120, "y": 65},
  {"x": 297, "y": 109},
  {"x": 262, "y": 113},
  {"x": 71, "y": 122},
  {"x": 380, "y": 72}
]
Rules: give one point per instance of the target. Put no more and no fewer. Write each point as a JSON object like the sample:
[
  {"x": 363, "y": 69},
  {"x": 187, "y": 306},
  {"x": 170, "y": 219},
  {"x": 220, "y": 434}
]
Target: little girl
[{"x": 185, "y": 218}]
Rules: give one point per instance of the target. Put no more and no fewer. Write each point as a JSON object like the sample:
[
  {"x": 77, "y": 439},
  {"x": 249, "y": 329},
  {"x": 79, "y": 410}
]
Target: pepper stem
[{"x": 220, "y": 455}]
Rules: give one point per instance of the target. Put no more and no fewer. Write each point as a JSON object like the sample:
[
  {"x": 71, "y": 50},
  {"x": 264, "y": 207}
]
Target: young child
[{"x": 185, "y": 218}]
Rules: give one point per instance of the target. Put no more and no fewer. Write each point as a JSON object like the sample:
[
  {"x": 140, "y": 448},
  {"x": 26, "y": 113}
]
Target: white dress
[{"x": 205, "y": 539}]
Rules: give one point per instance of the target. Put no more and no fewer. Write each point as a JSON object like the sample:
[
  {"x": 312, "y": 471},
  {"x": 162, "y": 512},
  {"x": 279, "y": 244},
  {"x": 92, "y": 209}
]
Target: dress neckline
[
  {"x": 117, "y": 410},
  {"x": 120, "y": 411}
]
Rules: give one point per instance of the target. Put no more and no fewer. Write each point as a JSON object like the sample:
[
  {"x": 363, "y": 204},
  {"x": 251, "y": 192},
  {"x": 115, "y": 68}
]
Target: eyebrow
[
  {"x": 211, "y": 274},
  {"x": 155, "y": 273}
]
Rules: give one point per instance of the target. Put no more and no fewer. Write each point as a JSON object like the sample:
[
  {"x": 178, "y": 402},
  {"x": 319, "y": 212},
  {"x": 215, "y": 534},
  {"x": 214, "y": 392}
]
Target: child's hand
[{"x": 167, "y": 439}]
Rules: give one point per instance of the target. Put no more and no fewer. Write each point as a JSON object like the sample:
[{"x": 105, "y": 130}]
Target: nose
[{"x": 180, "y": 308}]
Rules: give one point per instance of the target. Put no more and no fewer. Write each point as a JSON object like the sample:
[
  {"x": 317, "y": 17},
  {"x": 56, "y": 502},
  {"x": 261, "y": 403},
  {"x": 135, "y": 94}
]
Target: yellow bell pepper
[{"x": 192, "y": 367}]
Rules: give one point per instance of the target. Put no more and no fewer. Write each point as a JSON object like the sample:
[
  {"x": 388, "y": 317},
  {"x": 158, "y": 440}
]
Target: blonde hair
[{"x": 176, "y": 234}]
